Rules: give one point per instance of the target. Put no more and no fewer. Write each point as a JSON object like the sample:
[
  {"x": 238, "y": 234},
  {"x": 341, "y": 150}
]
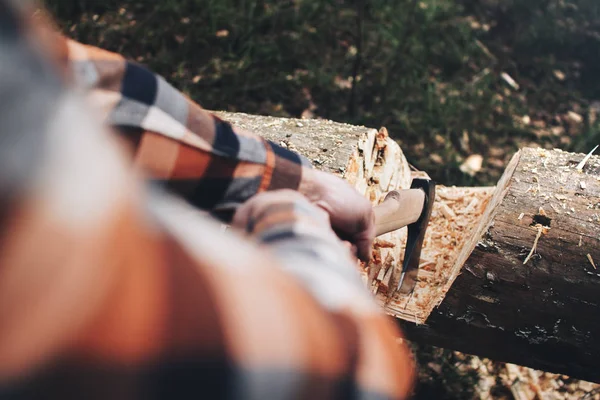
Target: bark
[
  {"x": 507, "y": 273},
  {"x": 544, "y": 313}
]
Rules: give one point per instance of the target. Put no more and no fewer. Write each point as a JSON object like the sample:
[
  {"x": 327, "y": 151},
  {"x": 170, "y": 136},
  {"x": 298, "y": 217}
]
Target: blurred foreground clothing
[
  {"x": 196, "y": 154},
  {"x": 203, "y": 159},
  {"x": 111, "y": 290}
]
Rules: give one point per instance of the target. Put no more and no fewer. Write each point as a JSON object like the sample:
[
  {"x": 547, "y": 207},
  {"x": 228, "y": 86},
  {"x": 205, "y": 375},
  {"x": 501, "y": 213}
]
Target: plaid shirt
[
  {"x": 197, "y": 155},
  {"x": 109, "y": 289}
]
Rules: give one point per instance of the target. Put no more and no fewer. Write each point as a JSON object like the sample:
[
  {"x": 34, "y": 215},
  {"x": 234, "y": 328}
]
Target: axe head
[{"x": 414, "y": 241}]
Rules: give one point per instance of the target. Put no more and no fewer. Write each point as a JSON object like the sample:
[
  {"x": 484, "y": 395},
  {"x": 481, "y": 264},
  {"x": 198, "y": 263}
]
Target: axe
[{"x": 410, "y": 207}]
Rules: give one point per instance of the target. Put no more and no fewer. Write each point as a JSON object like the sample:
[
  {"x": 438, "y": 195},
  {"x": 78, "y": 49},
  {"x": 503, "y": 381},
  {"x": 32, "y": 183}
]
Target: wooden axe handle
[{"x": 399, "y": 209}]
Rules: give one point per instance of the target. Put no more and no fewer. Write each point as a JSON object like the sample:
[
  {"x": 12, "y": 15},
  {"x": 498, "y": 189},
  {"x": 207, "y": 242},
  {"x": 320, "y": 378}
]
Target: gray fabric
[
  {"x": 171, "y": 102},
  {"x": 251, "y": 150},
  {"x": 240, "y": 190},
  {"x": 129, "y": 113},
  {"x": 28, "y": 87},
  {"x": 86, "y": 74}
]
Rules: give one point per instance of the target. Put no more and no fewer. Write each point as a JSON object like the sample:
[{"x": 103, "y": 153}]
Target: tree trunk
[
  {"x": 529, "y": 293},
  {"x": 506, "y": 273}
]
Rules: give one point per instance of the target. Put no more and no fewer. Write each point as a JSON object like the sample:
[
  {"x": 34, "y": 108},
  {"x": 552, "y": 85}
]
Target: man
[{"x": 112, "y": 290}]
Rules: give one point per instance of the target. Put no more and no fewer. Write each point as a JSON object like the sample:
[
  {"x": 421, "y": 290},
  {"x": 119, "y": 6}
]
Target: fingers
[
  {"x": 364, "y": 239},
  {"x": 351, "y": 213},
  {"x": 338, "y": 204}
]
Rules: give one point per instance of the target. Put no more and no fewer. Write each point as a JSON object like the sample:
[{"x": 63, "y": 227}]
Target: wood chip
[
  {"x": 447, "y": 211},
  {"x": 384, "y": 244},
  {"x": 382, "y": 273},
  {"x": 426, "y": 264},
  {"x": 375, "y": 288},
  {"x": 440, "y": 263},
  {"x": 585, "y": 160},
  {"x": 471, "y": 206},
  {"x": 386, "y": 279},
  {"x": 589, "y": 257},
  {"x": 582, "y": 185},
  {"x": 446, "y": 194}
]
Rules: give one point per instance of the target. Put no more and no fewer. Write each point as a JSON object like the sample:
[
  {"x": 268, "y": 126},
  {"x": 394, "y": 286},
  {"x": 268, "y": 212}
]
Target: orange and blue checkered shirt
[{"x": 113, "y": 288}]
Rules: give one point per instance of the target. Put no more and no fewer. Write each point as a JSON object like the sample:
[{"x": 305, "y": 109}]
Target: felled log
[
  {"x": 507, "y": 273},
  {"x": 368, "y": 159},
  {"x": 374, "y": 163},
  {"x": 529, "y": 293}
]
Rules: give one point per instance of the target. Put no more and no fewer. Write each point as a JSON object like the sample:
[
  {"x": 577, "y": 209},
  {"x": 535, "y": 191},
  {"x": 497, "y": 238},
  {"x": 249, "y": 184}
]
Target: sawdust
[
  {"x": 522, "y": 383},
  {"x": 456, "y": 213}
]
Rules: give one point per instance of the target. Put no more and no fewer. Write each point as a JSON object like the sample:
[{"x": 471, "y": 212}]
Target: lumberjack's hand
[{"x": 350, "y": 213}]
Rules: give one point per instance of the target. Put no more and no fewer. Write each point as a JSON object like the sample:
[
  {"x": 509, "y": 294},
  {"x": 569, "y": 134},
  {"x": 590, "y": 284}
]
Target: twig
[
  {"x": 535, "y": 243},
  {"x": 508, "y": 79},
  {"x": 485, "y": 50}
]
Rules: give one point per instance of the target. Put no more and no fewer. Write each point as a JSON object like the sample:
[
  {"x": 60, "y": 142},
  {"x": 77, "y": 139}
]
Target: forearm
[{"x": 211, "y": 164}]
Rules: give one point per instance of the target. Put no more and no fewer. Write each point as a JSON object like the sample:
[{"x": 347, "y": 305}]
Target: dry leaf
[
  {"x": 472, "y": 165},
  {"x": 559, "y": 75},
  {"x": 574, "y": 117}
]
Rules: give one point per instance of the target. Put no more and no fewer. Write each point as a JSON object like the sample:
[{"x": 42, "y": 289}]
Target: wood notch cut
[{"x": 457, "y": 212}]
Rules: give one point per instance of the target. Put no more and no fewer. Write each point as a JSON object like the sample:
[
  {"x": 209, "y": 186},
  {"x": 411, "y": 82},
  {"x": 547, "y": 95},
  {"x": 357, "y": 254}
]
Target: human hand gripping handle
[
  {"x": 353, "y": 217},
  {"x": 350, "y": 213}
]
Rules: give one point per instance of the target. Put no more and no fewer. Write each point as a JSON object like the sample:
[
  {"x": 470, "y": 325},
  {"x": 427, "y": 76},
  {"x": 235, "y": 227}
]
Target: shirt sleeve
[
  {"x": 194, "y": 153},
  {"x": 109, "y": 290}
]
